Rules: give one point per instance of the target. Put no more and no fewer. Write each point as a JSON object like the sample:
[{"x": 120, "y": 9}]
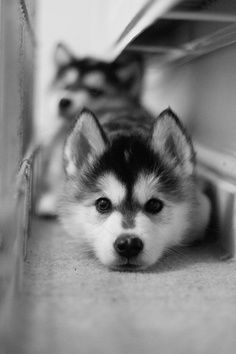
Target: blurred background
[{"x": 185, "y": 50}]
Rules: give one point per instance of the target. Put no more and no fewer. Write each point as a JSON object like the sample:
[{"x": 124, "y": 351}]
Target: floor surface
[{"x": 72, "y": 304}]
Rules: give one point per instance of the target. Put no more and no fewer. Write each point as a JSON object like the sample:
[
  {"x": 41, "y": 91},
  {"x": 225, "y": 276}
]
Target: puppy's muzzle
[
  {"x": 64, "y": 104},
  {"x": 128, "y": 246}
]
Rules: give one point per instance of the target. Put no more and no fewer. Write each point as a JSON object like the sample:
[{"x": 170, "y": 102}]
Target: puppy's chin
[{"x": 129, "y": 265}]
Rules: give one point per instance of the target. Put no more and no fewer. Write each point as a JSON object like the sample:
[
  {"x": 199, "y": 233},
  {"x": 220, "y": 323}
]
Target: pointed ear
[
  {"x": 86, "y": 141},
  {"x": 62, "y": 55},
  {"x": 170, "y": 139},
  {"x": 129, "y": 70}
]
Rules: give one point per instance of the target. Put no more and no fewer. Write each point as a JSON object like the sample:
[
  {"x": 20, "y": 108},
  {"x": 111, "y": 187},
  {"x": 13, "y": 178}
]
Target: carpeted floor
[{"x": 74, "y": 305}]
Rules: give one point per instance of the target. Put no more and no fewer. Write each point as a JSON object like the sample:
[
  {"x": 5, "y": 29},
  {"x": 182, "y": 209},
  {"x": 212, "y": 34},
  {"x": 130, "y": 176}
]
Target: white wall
[{"x": 203, "y": 93}]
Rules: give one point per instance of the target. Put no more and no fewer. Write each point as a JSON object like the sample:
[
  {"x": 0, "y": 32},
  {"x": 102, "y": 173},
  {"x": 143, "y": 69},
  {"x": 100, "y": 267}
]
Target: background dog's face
[
  {"x": 92, "y": 83},
  {"x": 128, "y": 199}
]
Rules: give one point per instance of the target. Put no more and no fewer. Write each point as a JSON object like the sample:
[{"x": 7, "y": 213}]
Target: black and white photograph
[{"x": 117, "y": 176}]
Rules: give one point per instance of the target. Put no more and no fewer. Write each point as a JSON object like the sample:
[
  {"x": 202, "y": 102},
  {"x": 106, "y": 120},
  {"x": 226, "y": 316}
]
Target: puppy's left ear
[
  {"x": 62, "y": 55},
  {"x": 171, "y": 141},
  {"x": 86, "y": 141}
]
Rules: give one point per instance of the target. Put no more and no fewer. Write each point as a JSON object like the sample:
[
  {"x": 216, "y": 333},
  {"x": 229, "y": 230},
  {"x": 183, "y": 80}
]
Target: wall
[
  {"x": 16, "y": 73},
  {"x": 202, "y": 92}
]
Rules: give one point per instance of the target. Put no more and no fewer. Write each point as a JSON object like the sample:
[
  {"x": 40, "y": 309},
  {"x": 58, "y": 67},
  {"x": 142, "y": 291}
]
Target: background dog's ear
[
  {"x": 170, "y": 139},
  {"x": 129, "y": 71},
  {"x": 62, "y": 55},
  {"x": 86, "y": 141}
]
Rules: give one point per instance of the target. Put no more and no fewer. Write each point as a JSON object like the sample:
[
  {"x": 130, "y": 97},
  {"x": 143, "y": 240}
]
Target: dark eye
[
  {"x": 103, "y": 205},
  {"x": 95, "y": 92},
  {"x": 153, "y": 206}
]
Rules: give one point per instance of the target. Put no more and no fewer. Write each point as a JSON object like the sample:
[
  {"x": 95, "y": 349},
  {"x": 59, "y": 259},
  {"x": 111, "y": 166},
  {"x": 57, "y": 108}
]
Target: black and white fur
[
  {"x": 103, "y": 87},
  {"x": 93, "y": 83},
  {"x": 130, "y": 192},
  {"x": 127, "y": 191}
]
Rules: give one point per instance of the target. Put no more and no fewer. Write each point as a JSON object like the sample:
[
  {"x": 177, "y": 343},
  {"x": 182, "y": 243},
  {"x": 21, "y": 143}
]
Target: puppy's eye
[
  {"x": 95, "y": 92},
  {"x": 103, "y": 205},
  {"x": 153, "y": 206}
]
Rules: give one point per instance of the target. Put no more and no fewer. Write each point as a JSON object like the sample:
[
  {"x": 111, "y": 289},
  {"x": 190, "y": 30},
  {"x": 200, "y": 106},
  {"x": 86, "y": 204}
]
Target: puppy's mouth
[{"x": 128, "y": 266}]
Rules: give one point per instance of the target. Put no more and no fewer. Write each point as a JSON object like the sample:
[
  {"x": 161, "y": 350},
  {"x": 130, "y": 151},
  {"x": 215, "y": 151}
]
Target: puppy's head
[
  {"x": 92, "y": 83},
  {"x": 128, "y": 199}
]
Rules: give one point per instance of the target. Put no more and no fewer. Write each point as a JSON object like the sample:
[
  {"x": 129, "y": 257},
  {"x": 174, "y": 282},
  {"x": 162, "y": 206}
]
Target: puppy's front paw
[
  {"x": 202, "y": 219},
  {"x": 46, "y": 206}
]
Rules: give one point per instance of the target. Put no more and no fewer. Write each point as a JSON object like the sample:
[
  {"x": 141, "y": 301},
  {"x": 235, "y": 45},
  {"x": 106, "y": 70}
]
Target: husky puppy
[
  {"x": 93, "y": 83},
  {"x": 130, "y": 191},
  {"x": 82, "y": 83}
]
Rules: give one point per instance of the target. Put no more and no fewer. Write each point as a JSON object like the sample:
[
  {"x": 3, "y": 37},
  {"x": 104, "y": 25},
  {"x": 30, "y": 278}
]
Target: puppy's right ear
[
  {"x": 170, "y": 139},
  {"x": 62, "y": 55},
  {"x": 86, "y": 142}
]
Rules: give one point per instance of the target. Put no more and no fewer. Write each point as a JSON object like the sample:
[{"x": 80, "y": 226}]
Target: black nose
[
  {"x": 128, "y": 245},
  {"x": 64, "y": 103}
]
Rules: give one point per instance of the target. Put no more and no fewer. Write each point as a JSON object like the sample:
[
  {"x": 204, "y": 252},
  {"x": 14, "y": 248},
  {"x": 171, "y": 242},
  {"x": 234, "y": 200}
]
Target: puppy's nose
[
  {"x": 128, "y": 245},
  {"x": 64, "y": 103}
]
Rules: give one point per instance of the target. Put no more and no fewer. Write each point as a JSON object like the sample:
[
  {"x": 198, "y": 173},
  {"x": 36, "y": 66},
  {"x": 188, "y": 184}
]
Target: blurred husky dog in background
[{"x": 78, "y": 83}]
